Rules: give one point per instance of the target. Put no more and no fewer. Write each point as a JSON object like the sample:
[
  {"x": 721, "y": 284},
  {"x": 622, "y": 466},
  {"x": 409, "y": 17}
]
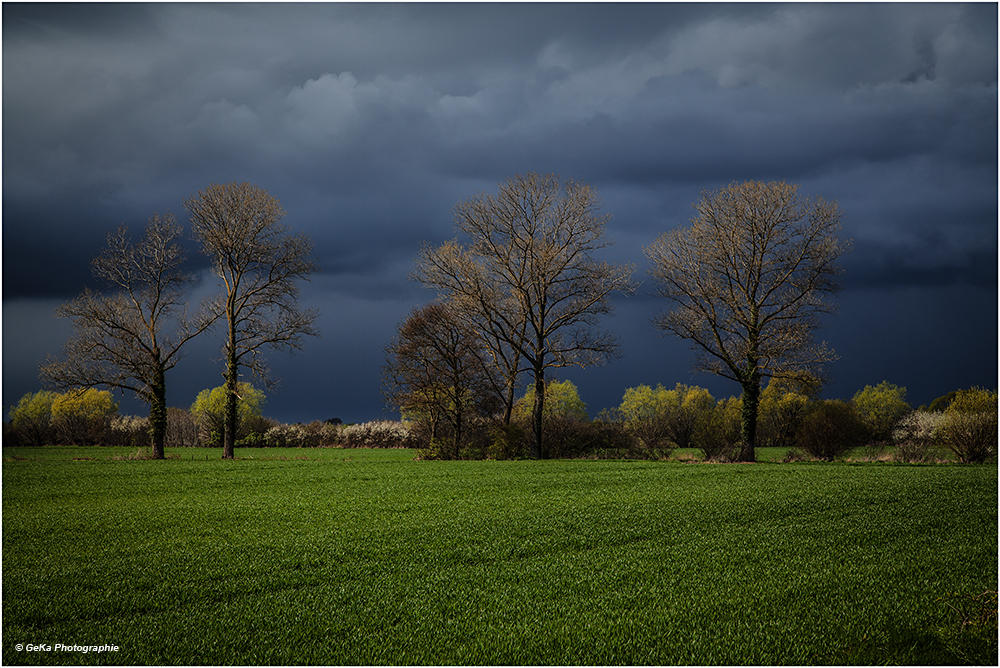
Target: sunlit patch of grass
[{"x": 369, "y": 557}]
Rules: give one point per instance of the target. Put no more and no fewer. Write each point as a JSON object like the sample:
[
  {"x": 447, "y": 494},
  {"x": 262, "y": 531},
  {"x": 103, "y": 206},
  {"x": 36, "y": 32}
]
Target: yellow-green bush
[
  {"x": 780, "y": 415},
  {"x": 31, "y": 419},
  {"x": 83, "y": 417},
  {"x": 660, "y": 419},
  {"x": 969, "y": 426},
  {"x": 881, "y": 408},
  {"x": 209, "y": 412},
  {"x": 717, "y": 433}
]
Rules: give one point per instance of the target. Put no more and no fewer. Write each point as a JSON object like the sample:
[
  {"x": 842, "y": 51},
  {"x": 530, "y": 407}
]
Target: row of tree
[
  {"x": 520, "y": 294},
  {"x": 129, "y": 337},
  {"x": 523, "y": 294},
  {"x": 649, "y": 423}
]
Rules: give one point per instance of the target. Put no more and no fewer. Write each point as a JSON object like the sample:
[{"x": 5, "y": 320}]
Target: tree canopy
[
  {"x": 260, "y": 264},
  {"x": 129, "y": 338},
  {"x": 747, "y": 281},
  {"x": 527, "y": 276}
]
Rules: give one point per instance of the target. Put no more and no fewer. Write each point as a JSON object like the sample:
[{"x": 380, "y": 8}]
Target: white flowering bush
[
  {"x": 128, "y": 430},
  {"x": 328, "y": 434},
  {"x": 381, "y": 434},
  {"x": 917, "y": 425},
  {"x": 378, "y": 434},
  {"x": 284, "y": 436},
  {"x": 914, "y": 435}
]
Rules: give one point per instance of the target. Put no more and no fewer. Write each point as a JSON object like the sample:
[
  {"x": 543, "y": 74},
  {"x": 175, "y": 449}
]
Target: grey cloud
[
  {"x": 370, "y": 121},
  {"x": 845, "y": 46}
]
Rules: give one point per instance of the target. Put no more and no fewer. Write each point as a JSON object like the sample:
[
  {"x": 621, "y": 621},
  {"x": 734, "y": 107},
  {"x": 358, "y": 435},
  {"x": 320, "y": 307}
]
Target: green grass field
[{"x": 368, "y": 557}]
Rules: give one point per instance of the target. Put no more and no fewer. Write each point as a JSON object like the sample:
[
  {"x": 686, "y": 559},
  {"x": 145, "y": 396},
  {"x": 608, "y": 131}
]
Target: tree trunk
[
  {"x": 459, "y": 409},
  {"x": 232, "y": 399},
  {"x": 158, "y": 412},
  {"x": 536, "y": 414},
  {"x": 508, "y": 400},
  {"x": 748, "y": 418}
]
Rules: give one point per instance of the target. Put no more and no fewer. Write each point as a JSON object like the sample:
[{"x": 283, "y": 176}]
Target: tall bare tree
[
  {"x": 260, "y": 263},
  {"x": 437, "y": 365},
  {"x": 130, "y": 338},
  {"x": 528, "y": 277},
  {"x": 505, "y": 359},
  {"x": 748, "y": 280}
]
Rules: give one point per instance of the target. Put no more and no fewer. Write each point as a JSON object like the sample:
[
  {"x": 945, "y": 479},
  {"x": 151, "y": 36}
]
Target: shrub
[
  {"x": 561, "y": 400},
  {"x": 507, "y": 441},
  {"x": 940, "y": 405},
  {"x": 182, "y": 430},
  {"x": 564, "y": 437},
  {"x": 209, "y": 406},
  {"x": 433, "y": 451},
  {"x": 880, "y": 409},
  {"x": 643, "y": 412},
  {"x": 717, "y": 433},
  {"x": 82, "y": 417},
  {"x": 913, "y": 452},
  {"x": 31, "y": 419},
  {"x": 914, "y": 435},
  {"x": 969, "y": 425},
  {"x": 660, "y": 419},
  {"x": 780, "y": 415},
  {"x": 609, "y": 436},
  {"x": 564, "y": 419},
  {"x": 794, "y": 455},
  {"x": 830, "y": 429},
  {"x": 253, "y": 440},
  {"x": 331, "y": 433},
  {"x": 378, "y": 434},
  {"x": 128, "y": 431}
]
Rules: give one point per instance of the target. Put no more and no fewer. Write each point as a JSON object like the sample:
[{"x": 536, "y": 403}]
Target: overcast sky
[{"x": 371, "y": 121}]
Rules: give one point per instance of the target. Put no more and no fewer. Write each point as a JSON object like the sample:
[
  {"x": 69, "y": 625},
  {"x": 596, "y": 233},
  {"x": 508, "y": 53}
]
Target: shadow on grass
[{"x": 967, "y": 635}]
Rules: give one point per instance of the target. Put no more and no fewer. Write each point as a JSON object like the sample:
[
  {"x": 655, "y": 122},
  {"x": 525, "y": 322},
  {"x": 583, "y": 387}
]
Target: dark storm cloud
[{"x": 370, "y": 121}]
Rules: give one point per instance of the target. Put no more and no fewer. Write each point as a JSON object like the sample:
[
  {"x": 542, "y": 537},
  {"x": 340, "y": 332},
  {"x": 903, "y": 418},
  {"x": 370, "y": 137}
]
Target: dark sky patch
[{"x": 371, "y": 121}]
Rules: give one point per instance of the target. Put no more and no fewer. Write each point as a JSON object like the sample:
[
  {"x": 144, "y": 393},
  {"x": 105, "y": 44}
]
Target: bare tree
[
  {"x": 437, "y": 366},
  {"x": 260, "y": 263},
  {"x": 120, "y": 340},
  {"x": 528, "y": 278},
  {"x": 748, "y": 280}
]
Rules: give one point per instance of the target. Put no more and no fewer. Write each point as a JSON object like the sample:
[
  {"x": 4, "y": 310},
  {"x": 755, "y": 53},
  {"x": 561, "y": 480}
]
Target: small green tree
[
  {"x": 969, "y": 427},
  {"x": 717, "y": 433},
  {"x": 564, "y": 418},
  {"x": 941, "y": 404},
  {"x": 81, "y": 417},
  {"x": 32, "y": 418},
  {"x": 881, "y": 408},
  {"x": 644, "y": 413},
  {"x": 781, "y": 414},
  {"x": 660, "y": 418},
  {"x": 685, "y": 407},
  {"x": 209, "y": 411},
  {"x": 562, "y": 400}
]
